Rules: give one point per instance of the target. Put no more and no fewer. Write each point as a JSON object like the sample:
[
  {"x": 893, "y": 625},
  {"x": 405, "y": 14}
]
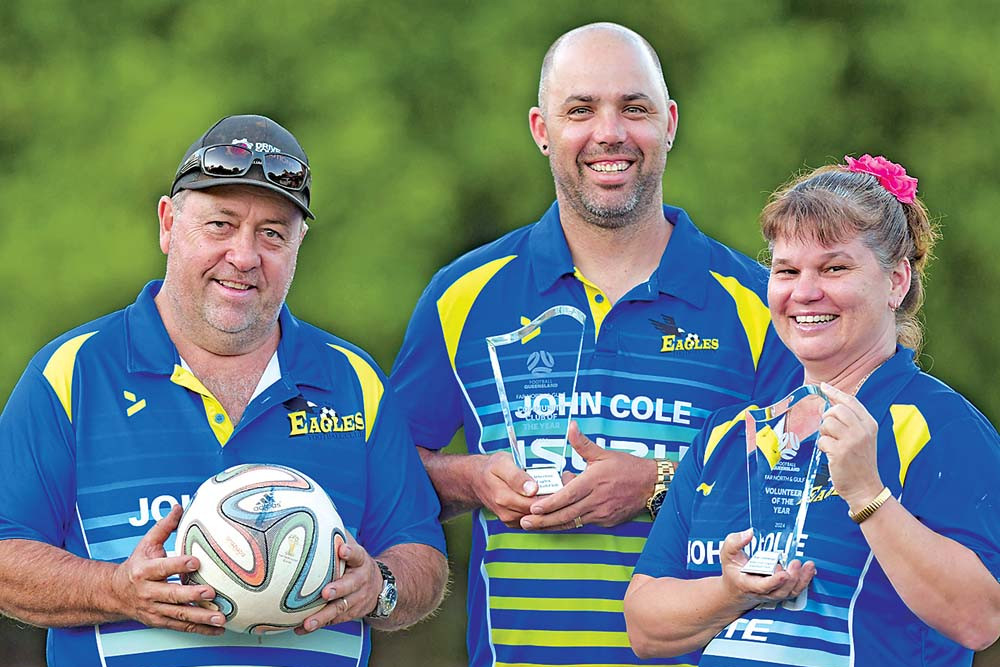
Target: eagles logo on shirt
[
  {"x": 676, "y": 339},
  {"x": 306, "y": 417}
]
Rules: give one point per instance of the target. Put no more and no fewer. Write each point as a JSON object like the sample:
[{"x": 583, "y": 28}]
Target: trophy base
[
  {"x": 763, "y": 563},
  {"x": 548, "y": 478}
]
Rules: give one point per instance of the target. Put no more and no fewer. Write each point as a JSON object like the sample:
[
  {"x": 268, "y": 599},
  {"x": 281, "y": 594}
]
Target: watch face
[
  {"x": 390, "y": 598},
  {"x": 386, "y": 600},
  {"x": 655, "y": 502}
]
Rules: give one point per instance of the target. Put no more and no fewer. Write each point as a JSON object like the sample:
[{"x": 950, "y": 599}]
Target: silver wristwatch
[{"x": 387, "y": 598}]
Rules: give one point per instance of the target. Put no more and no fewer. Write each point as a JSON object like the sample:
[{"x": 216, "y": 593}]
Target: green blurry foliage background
[{"x": 414, "y": 115}]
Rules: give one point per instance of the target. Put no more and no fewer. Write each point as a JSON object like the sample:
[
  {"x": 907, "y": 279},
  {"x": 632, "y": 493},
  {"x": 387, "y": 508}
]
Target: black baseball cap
[{"x": 259, "y": 134}]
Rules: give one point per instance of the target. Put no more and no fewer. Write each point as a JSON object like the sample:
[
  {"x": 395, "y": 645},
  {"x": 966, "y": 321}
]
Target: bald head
[{"x": 579, "y": 36}]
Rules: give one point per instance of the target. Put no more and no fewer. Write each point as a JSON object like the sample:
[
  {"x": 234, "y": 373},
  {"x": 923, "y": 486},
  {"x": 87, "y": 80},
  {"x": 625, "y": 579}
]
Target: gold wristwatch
[{"x": 664, "y": 475}]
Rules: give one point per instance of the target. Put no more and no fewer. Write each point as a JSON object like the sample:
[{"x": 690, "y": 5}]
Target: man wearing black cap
[{"x": 115, "y": 423}]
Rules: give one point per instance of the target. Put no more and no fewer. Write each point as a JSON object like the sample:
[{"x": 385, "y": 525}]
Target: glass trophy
[
  {"x": 535, "y": 370},
  {"x": 782, "y": 458}
]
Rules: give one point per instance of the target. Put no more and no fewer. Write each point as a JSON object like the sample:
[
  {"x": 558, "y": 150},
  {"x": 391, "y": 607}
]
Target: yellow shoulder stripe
[
  {"x": 753, "y": 313},
  {"x": 722, "y": 429},
  {"x": 371, "y": 386},
  {"x": 59, "y": 370},
  {"x": 912, "y": 433},
  {"x": 456, "y": 302}
]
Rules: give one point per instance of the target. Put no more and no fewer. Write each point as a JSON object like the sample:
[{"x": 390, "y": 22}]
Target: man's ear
[
  {"x": 165, "y": 212},
  {"x": 671, "y": 123},
  {"x": 539, "y": 131}
]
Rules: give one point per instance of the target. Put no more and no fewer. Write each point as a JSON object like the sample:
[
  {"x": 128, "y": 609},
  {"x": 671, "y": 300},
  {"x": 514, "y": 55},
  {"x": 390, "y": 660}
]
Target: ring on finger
[
  {"x": 578, "y": 522},
  {"x": 343, "y": 609}
]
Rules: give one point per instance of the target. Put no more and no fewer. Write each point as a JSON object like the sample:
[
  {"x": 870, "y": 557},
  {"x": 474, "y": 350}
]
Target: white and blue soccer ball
[{"x": 266, "y": 537}]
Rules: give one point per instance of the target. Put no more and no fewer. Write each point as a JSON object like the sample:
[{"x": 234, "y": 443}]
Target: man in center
[{"x": 675, "y": 327}]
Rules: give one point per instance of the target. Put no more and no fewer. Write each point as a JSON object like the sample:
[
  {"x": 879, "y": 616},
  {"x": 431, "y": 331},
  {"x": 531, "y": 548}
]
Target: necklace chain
[{"x": 857, "y": 387}]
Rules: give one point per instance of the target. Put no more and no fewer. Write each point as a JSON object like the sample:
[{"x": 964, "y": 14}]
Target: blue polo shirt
[
  {"x": 106, "y": 430},
  {"x": 693, "y": 337},
  {"x": 940, "y": 458}
]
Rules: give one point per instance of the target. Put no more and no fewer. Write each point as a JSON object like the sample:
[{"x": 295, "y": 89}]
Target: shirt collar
[
  {"x": 148, "y": 345},
  {"x": 548, "y": 250},
  {"x": 882, "y": 387},
  {"x": 150, "y": 349},
  {"x": 682, "y": 265}
]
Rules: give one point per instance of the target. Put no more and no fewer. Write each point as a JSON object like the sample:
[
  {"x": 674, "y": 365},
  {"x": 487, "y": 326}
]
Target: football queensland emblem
[
  {"x": 782, "y": 460},
  {"x": 536, "y": 405},
  {"x": 540, "y": 362}
]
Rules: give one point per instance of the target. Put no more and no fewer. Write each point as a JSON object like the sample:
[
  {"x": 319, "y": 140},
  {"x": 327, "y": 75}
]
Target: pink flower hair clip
[{"x": 892, "y": 176}]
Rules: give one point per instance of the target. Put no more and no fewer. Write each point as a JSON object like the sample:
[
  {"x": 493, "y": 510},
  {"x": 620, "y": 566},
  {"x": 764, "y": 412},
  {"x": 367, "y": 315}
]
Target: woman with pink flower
[{"x": 901, "y": 541}]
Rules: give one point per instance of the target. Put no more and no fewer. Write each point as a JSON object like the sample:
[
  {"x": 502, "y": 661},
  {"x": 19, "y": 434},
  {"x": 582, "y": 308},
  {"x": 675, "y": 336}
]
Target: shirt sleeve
[
  {"x": 423, "y": 377},
  {"x": 665, "y": 552},
  {"x": 37, "y": 476},
  {"x": 401, "y": 506},
  {"x": 953, "y": 487}
]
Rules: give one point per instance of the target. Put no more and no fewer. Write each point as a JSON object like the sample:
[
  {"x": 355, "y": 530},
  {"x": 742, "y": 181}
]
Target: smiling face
[
  {"x": 608, "y": 125},
  {"x": 830, "y": 304},
  {"x": 231, "y": 254}
]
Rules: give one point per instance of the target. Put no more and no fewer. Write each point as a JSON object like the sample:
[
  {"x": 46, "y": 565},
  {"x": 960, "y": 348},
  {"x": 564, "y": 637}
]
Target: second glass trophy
[
  {"x": 782, "y": 458},
  {"x": 535, "y": 369}
]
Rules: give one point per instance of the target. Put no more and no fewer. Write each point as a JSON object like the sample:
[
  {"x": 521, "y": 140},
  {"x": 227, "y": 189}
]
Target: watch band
[
  {"x": 870, "y": 508},
  {"x": 387, "y": 597},
  {"x": 386, "y": 572},
  {"x": 664, "y": 476}
]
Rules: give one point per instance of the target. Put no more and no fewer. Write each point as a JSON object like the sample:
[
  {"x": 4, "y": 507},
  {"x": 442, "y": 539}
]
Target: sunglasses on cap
[{"x": 234, "y": 160}]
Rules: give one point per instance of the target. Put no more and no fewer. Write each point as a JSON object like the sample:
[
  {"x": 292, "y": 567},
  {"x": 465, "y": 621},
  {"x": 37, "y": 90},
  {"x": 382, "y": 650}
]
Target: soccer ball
[{"x": 266, "y": 538}]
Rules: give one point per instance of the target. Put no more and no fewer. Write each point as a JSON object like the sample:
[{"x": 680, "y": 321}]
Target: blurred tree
[{"x": 415, "y": 118}]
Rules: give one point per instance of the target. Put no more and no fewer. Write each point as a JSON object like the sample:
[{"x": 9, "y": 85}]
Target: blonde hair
[{"x": 833, "y": 205}]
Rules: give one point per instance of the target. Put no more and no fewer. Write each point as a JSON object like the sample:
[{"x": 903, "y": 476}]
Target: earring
[{"x": 545, "y": 147}]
